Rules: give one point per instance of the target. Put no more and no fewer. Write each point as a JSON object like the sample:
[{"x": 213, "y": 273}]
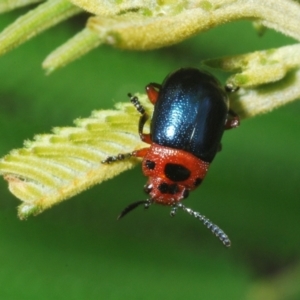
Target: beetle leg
[
  {"x": 118, "y": 157},
  {"x": 152, "y": 90},
  {"x": 140, "y": 153},
  {"x": 232, "y": 121},
  {"x": 145, "y": 137},
  {"x": 122, "y": 156}
]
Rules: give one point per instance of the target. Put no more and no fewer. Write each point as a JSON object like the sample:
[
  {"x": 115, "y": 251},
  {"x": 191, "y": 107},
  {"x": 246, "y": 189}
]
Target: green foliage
[{"x": 78, "y": 251}]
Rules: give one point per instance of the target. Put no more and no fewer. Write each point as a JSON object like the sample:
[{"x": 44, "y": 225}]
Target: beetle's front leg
[
  {"x": 123, "y": 156},
  {"x": 233, "y": 120},
  {"x": 152, "y": 90}
]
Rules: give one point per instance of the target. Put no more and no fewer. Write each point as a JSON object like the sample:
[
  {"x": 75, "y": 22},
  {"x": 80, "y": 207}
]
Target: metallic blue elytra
[{"x": 190, "y": 113}]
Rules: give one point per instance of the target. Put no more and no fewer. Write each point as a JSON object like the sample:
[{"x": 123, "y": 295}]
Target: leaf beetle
[{"x": 191, "y": 112}]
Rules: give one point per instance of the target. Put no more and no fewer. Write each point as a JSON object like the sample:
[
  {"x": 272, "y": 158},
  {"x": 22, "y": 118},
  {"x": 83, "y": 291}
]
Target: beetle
[{"x": 191, "y": 112}]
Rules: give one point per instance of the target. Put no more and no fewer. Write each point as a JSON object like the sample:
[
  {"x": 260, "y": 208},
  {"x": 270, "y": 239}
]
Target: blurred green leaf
[{"x": 78, "y": 250}]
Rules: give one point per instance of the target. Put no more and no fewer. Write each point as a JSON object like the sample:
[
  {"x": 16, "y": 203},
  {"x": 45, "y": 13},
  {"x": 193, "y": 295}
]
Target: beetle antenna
[
  {"x": 136, "y": 103},
  {"x": 132, "y": 206},
  {"x": 217, "y": 231}
]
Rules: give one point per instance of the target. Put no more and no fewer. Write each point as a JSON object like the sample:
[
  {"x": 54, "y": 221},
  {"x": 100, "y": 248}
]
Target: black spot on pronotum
[
  {"x": 163, "y": 188},
  {"x": 177, "y": 172},
  {"x": 173, "y": 189},
  {"x": 150, "y": 164}
]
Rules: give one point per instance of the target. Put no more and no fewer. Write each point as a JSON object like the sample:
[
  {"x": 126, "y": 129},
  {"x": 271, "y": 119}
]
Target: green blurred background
[{"x": 77, "y": 250}]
